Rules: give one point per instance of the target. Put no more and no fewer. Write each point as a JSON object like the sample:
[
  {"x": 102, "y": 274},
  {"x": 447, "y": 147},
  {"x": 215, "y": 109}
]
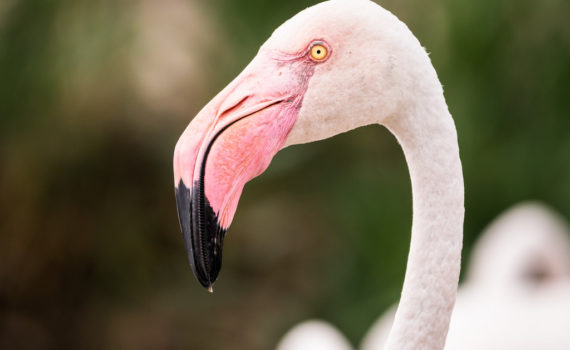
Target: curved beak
[{"x": 231, "y": 141}]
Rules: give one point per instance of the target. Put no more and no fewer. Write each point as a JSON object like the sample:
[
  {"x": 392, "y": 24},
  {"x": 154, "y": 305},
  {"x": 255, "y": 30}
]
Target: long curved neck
[{"x": 428, "y": 137}]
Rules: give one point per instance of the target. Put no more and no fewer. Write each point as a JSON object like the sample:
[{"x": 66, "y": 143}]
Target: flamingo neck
[{"x": 428, "y": 138}]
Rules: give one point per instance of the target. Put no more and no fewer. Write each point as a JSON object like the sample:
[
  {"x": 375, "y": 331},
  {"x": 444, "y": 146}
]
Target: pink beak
[{"x": 231, "y": 141}]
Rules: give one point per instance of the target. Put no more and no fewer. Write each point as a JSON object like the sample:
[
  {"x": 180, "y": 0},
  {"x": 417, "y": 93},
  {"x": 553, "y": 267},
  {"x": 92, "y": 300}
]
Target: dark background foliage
[{"x": 93, "y": 97}]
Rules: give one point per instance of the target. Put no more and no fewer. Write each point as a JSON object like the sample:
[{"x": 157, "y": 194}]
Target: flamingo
[
  {"x": 331, "y": 68},
  {"x": 516, "y": 295},
  {"x": 517, "y": 291},
  {"x": 314, "y": 335}
]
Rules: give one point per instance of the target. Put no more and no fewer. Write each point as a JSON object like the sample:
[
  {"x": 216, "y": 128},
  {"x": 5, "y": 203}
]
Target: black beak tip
[{"x": 203, "y": 236}]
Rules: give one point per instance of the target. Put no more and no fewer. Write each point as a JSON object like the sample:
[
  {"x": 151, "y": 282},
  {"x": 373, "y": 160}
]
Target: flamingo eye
[{"x": 319, "y": 52}]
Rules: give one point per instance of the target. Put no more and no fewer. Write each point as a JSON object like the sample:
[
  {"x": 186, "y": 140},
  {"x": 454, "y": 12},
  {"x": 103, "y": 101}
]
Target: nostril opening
[{"x": 234, "y": 107}]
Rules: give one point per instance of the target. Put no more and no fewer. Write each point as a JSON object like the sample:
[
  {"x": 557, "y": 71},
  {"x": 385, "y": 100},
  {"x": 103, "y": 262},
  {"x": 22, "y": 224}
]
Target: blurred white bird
[
  {"x": 314, "y": 335},
  {"x": 516, "y": 294}
]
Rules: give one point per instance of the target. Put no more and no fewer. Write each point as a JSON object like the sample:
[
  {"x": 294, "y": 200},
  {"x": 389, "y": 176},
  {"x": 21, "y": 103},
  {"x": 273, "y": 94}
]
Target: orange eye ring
[{"x": 318, "y": 52}]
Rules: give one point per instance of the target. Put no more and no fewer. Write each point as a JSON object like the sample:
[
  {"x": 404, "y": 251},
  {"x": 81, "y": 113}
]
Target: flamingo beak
[{"x": 229, "y": 142}]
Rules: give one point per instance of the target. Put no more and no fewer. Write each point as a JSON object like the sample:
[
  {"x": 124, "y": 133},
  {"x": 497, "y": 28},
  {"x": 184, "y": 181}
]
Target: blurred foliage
[{"x": 93, "y": 96}]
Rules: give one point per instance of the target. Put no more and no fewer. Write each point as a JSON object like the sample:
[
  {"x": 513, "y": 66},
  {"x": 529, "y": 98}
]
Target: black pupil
[{"x": 318, "y": 52}]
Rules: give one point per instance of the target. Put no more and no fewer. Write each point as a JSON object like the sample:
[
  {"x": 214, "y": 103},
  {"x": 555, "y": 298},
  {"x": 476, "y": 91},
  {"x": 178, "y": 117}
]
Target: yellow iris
[{"x": 319, "y": 52}]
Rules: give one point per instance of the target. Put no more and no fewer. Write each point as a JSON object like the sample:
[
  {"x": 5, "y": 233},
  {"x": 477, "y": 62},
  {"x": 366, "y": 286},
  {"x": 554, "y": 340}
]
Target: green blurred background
[{"x": 94, "y": 95}]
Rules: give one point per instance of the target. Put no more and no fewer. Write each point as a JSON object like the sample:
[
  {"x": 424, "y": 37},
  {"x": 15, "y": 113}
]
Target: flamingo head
[{"x": 315, "y": 77}]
